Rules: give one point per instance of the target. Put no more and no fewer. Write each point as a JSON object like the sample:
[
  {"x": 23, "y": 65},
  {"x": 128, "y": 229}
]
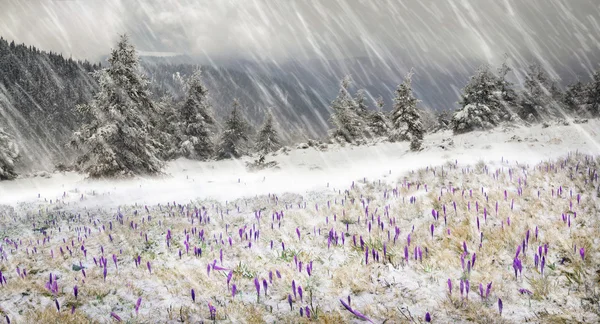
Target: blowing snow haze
[
  {"x": 442, "y": 33},
  {"x": 290, "y": 55},
  {"x": 300, "y": 161}
]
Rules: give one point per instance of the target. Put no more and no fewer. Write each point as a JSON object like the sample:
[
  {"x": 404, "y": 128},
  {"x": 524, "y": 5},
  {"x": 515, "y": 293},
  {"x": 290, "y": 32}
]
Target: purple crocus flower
[
  {"x": 290, "y": 301},
  {"x": 149, "y": 267},
  {"x": 265, "y": 286},
  {"x": 355, "y": 312},
  {"x": 300, "y": 293},
  {"x": 233, "y": 290},
  {"x": 582, "y": 254},
  {"x": 450, "y": 286},
  {"x": 57, "y": 305},
  {"x": 542, "y": 265},
  {"x": 137, "y": 305},
  {"x": 115, "y": 316},
  {"x": 257, "y": 286},
  {"x": 193, "y": 296},
  {"x": 524, "y": 291},
  {"x": 229, "y": 276},
  {"x": 294, "y": 288},
  {"x": 500, "y": 306},
  {"x": 427, "y": 317},
  {"x": 75, "y": 291}
]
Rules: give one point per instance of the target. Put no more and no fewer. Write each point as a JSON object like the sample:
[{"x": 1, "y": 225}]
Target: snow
[
  {"x": 314, "y": 191},
  {"x": 311, "y": 169}
]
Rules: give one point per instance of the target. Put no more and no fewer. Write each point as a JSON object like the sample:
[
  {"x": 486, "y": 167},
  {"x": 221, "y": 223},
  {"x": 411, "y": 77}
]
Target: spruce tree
[
  {"x": 507, "y": 97},
  {"x": 9, "y": 153},
  {"x": 379, "y": 123},
  {"x": 405, "y": 116},
  {"x": 575, "y": 98},
  {"x": 268, "y": 140},
  {"x": 168, "y": 132},
  {"x": 197, "y": 122},
  {"x": 234, "y": 139},
  {"x": 360, "y": 100},
  {"x": 481, "y": 102},
  {"x": 116, "y": 139},
  {"x": 344, "y": 116},
  {"x": 593, "y": 95},
  {"x": 536, "y": 99}
]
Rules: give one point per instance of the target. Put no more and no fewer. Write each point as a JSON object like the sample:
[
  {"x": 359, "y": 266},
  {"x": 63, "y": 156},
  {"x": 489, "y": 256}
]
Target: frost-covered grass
[
  {"x": 317, "y": 231},
  {"x": 331, "y": 198}
]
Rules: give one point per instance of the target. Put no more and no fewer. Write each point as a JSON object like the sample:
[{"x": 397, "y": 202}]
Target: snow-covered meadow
[{"x": 509, "y": 214}]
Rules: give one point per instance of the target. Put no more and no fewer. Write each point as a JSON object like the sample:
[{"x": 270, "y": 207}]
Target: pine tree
[
  {"x": 593, "y": 95},
  {"x": 197, "y": 123},
  {"x": 536, "y": 98},
  {"x": 486, "y": 101},
  {"x": 379, "y": 123},
  {"x": 344, "y": 116},
  {"x": 575, "y": 98},
  {"x": 405, "y": 116},
  {"x": 168, "y": 134},
  {"x": 116, "y": 138},
  {"x": 360, "y": 100},
  {"x": 268, "y": 140},
  {"x": 9, "y": 153},
  {"x": 508, "y": 97},
  {"x": 235, "y": 136}
]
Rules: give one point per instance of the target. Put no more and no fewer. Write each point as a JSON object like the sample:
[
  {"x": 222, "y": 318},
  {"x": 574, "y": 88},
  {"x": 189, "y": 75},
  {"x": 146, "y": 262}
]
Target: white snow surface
[
  {"x": 304, "y": 170},
  {"x": 340, "y": 271}
]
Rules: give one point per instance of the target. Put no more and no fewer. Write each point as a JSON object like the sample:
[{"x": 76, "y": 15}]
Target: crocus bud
[{"x": 500, "y": 306}]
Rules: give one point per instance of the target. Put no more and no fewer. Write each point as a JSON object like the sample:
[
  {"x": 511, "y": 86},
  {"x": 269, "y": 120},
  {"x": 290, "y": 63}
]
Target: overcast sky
[{"x": 435, "y": 32}]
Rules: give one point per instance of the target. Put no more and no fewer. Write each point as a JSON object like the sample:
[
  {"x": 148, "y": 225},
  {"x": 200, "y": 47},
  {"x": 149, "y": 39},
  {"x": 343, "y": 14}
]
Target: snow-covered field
[{"x": 276, "y": 225}]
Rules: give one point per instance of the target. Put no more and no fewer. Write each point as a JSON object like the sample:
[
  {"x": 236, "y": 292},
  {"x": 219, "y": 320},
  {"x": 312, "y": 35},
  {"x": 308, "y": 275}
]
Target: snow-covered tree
[
  {"x": 235, "y": 137},
  {"x": 406, "y": 119},
  {"x": 344, "y": 117},
  {"x": 379, "y": 123},
  {"x": 168, "y": 132},
  {"x": 268, "y": 140},
  {"x": 486, "y": 101},
  {"x": 9, "y": 153},
  {"x": 575, "y": 98},
  {"x": 360, "y": 100},
  {"x": 593, "y": 95},
  {"x": 116, "y": 139},
  {"x": 508, "y": 97},
  {"x": 197, "y": 123},
  {"x": 536, "y": 99}
]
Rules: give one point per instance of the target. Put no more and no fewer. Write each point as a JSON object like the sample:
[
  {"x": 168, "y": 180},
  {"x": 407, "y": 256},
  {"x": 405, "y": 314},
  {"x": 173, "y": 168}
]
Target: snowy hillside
[
  {"x": 310, "y": 169},
  {"x": 379, "y": 228}
]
